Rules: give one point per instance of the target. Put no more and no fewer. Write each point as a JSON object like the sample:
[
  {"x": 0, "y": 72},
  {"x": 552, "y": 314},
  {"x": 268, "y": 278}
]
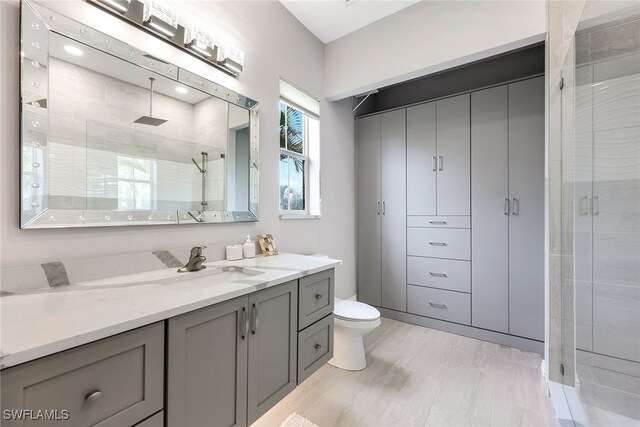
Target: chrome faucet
[{"x": 195, "y": 260}]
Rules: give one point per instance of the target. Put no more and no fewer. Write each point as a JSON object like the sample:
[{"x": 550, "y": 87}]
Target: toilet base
[{"x": 348, "y": 353}]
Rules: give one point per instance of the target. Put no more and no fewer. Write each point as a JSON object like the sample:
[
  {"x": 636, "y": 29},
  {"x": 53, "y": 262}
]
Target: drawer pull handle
[
  {"x": 93, "y": 396},
  {"x": 438, "y": 222},
  {"x": 436, "y": 305},
  {"x": 438, "y": 243},
  {"x": 317, "y": 346},
  {"x": 318, "y": 296},
  {"x": 438, "y": 274}
]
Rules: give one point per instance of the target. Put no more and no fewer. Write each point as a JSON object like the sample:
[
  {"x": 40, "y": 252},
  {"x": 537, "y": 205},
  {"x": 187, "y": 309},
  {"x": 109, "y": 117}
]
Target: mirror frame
[{"x": 34, "y": 128}]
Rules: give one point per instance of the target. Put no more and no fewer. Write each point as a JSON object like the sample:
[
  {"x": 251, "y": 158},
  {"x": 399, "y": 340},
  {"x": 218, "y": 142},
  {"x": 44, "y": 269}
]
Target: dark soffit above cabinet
[{"x": 514, "y": 65}]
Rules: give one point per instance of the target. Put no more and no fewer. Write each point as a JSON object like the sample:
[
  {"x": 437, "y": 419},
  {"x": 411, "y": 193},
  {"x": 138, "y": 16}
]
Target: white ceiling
[{"x": 330, "y": 20}]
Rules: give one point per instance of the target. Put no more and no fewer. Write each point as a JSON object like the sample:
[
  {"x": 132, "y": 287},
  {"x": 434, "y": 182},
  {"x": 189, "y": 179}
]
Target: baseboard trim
[{"x": 467, "y": 331}]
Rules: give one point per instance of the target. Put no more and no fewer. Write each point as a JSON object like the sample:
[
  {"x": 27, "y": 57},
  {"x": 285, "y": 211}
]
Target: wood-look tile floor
[{"x": 423, "y": 377}]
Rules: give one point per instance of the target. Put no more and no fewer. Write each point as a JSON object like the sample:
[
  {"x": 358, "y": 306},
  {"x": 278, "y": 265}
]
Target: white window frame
[
  {"x": 153, "y": 196},
  {"x": 304, "y": 156}
]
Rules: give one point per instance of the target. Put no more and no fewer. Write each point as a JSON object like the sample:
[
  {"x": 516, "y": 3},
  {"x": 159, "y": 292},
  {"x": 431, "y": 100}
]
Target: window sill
[{"x": 300, "y": 216}]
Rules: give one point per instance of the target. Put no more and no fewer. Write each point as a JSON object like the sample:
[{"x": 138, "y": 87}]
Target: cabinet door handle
[
  {"x": 438, "y": 222},
  {"x": 440, "y": 163},
  {"x": 516, "y": 207},
  {"x": 318, "y": 296},
  {"x": 254, "y": 319},
  {"x": 438, "y": 243},
  {"x": 378, "y": 208},
  {"x": 584, "y": 205},
  {"x": 433, "y": 163},
  {"x": 317, "y": 346},
  {"x": 92, "y": 396},
  {"x": 244, "y": 325},
  {"x": 384, "y": 208},
  {"x": 434, "y": 274},
  {"x": 507, "y": 206},
  {"x": 436, "y": 305},
  {"x": 595, "y": 205}
]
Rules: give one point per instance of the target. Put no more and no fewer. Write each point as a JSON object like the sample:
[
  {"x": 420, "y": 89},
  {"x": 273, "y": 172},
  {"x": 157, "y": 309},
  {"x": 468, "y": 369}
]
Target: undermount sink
[{"x": 213, "y": 276}]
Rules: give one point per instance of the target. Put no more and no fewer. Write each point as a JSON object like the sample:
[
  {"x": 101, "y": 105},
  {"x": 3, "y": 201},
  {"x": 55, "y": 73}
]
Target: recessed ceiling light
[
  {"x": 73, "y": 50},
  {"x": 181, "y": 89}
]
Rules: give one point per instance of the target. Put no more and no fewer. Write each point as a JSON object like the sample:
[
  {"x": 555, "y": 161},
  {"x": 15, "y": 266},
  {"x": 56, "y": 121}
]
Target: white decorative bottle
[{"x": 249, "y": 248}]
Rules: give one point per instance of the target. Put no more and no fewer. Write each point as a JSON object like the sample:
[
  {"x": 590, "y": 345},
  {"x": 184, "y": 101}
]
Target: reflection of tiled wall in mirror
[{"x": 91, "y": 125}]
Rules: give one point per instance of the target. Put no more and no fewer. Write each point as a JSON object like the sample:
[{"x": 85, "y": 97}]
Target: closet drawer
[
  {"x": 315, "y": 347},
  {"x": 439, "y": 273},
  {"x": 439, "y": 221},
  {"x": 117, "y": 381},
  {"x": 451, "y": 243},
  {"x": 315, "y": 296},
  {"x": 445, "y": 305}
]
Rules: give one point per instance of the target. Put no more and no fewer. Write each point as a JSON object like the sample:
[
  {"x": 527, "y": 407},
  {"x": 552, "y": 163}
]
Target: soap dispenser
[{"x": 249, "y": 248}]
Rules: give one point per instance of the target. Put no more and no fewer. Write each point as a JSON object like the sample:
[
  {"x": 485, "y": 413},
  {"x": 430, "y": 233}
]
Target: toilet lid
[{"x": 355, "y": 310}]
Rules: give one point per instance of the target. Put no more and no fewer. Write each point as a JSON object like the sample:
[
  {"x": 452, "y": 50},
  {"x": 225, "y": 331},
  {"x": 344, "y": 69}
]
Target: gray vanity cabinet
[
  {"x": 382, "y": 210},
  {"x": 438, "y": 158},
  {"x": 273, "y": 339},
  {"x": 230, "y": 363},
  {"x": 117, "y": 381},
  {"x": 207, "y": 366},
  {"x": 508, "y": 208}
]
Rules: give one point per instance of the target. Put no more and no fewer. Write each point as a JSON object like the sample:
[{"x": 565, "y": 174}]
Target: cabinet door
[
  {"x": 490, "y": 219},
  {"x": 526, "y": 224},
  {"x": 394, "y": 210},
  {"x": 369, "y": 211},
  {"x": 272, "y": 347},
  {"x": 207, "y": 366},
  {"x": 454, "y": 155},
  {"x": 421, "y": 159}
]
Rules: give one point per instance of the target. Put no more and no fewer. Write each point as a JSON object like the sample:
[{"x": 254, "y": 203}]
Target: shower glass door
[{"x": 601, "y": 212}]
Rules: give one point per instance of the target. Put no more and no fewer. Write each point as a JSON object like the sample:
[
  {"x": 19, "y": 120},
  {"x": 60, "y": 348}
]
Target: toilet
[{"x": 352, "y": 320}]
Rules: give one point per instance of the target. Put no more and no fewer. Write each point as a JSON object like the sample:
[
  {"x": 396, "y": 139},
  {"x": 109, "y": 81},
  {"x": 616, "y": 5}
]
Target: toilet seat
[{"x": 354, "y": 311}]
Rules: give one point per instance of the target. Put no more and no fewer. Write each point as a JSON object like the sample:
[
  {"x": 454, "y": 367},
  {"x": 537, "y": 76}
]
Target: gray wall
[{"x": 268, "y": 33}]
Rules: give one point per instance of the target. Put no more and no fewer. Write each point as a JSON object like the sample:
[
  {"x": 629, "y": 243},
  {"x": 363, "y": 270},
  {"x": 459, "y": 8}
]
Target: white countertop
[{"x": 41, "y": 323}]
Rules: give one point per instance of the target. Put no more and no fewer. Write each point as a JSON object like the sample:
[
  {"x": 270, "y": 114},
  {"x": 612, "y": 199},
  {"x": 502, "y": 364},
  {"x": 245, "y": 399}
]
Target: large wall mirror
[{"x": 111, "y": 135}]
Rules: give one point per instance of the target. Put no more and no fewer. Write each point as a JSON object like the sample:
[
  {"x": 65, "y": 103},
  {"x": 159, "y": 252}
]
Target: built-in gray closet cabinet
[
  {"x": 474, "y": 223},
  {"x": 438, "y": 158},
  {"x": 382, "y": 210},
  {"x": 507, "y": 166}
]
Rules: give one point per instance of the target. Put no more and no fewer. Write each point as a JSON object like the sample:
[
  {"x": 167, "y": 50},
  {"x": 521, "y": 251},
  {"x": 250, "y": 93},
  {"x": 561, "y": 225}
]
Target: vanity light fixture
[
  {"x": 160, "y": 18},
  {"x": 201, "y": 42},
  {"x": 118, "y": 5},
  {"x": 231, "y": 58},
  {"x": 72, "y": 50},
  {"x": 181, "y": 89}
]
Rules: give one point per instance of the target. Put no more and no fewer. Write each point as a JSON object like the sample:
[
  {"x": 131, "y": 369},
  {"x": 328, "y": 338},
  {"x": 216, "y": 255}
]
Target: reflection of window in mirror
[
  {"x": 136, "y": 183},
  {"x": 299, "y": 185}
]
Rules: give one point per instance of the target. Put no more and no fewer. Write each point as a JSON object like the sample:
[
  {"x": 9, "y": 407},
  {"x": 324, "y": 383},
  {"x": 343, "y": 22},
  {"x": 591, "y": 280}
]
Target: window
[
  {"x": 299, "y": 153},
  {"x": 136, "y": 183}
]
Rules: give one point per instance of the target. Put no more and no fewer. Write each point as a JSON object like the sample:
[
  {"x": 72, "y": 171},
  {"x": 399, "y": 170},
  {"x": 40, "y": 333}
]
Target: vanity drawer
[
  {"x": 439, "y": 221},
  {"x": 315, "y": 347},
  {"x": 450, "y": 243},
  {"x": 117, "y": 381},
  {"x": 445, "y": 305},
  {"x": 439, "y": 273},
  {"x": 315, "y": 297}
]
